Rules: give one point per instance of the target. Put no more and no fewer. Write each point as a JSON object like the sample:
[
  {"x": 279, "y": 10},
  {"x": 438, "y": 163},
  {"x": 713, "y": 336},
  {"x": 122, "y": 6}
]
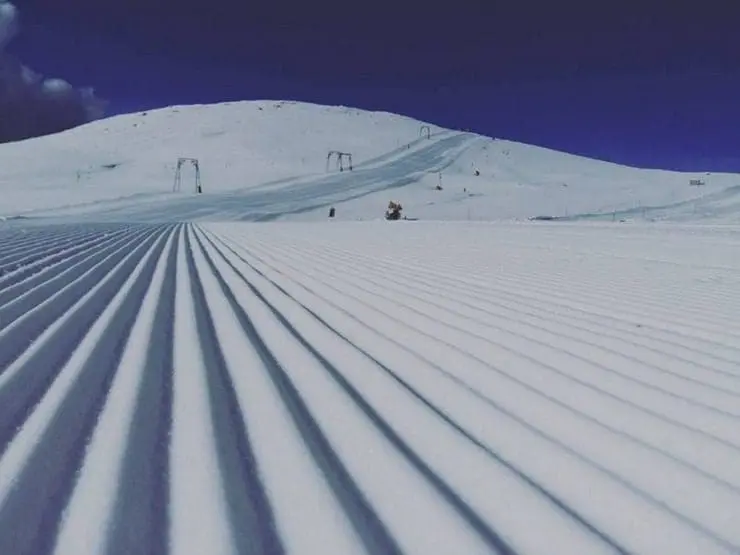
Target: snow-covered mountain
[{"x": 268, "y": 160}]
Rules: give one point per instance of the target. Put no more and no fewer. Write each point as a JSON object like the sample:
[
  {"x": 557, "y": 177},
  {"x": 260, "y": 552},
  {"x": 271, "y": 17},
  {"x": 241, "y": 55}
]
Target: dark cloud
[{"x": 32, "y": 105}]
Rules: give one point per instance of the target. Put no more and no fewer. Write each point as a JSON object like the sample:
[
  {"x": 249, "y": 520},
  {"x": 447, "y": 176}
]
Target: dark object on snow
[
  {"x": 477, "y": 172},
  {"x": 340, "y": 158},
  {"x": 394, "y": 211},
  {"x": 177, "y": 187},
  {"x": 332, "y": 212}
]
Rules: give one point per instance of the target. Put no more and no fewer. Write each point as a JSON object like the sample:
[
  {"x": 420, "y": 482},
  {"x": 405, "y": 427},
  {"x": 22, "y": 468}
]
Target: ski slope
[
  {"x": 267, "y": 160},
  {"x": 416, "y": 388},
  {"x": 281, "y": 199}
]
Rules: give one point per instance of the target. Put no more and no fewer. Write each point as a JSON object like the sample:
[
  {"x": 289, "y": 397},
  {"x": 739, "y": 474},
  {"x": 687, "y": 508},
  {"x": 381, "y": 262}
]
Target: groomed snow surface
[{"x": 447, "y": 388}]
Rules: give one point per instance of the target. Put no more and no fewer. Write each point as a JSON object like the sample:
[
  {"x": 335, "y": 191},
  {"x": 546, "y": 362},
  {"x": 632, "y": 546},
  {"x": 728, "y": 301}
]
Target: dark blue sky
[{"x": 642, "y": 83}]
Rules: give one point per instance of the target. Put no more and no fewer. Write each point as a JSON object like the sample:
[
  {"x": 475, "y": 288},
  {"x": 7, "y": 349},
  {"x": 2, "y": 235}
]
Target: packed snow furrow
[
  {"x": 587, "y": 347},
  {"x": 249, "y": 515},
  {"x": 381, "y": 315},
  {"x": 480, "y": 534},
  {"x": 553, "y": 259},
  {"x": 29, "y": 236},
  {"x": 291, "y": 454},
  {"x": 513, "y": 273},
  {"x": 326, "y": 269},
  {"x": 370, "y": 388},
  {"x": 503, "y": 294},
  {"x": 696, "y": 364},
  {"x": 33, "y": 292},
  {"x": 26, "y": 380},
  {"x": 198, "y": 511},
  {"x": 669, "y": 314},
  {"x": 688, "y": 352},
  {"x": 390, "y": 310},
  {"x": 371, "y": 364},
  {"x": 46, "y": 463},
  {"x": 41, "y": 250},
  {"x": 705, "y": 462},
  {"x": 662, "y": 247},
  {"x": 553, "y": 293},
  {"x": 129, "y": 443},
  {"x": 680, "y": 521},
  {"x": 574, "y": 367},
  {"x": 39, "y": 238},
  {"x": 328, "y": 450},
  {"x": 24, "y": 279},
  {"x": 20, "y": 334},
  {"x": 14, "y": 238},
  {"x": 139, "y": 519},
  {"x": 489, "y": 313},
  {"x": 56, "y": 250},
  {"x": 720, "y": 357}
]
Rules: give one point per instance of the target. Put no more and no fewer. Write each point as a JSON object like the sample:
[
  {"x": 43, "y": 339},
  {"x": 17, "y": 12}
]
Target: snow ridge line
[
  {"x": 30, "y": 512},
  {"x": 60, "y": 279},
  {"x": 249, "y": 512},
  {"x": 559, "y": 371},
  {"x": 622, "y": 481},
  {"x": 440, "y": 413},
  {"x": 459, "y": 506},
  {"x": 268, "y": 394},
  {"x": 34, "y": 249},
  {"x": 333, "y": 279},
  {"x": 551, "y": 287},
  {"x": 139, "y": 518},
  {"x": 23, "y": 278},
  {"x": 368, "y": 526},
  {"x": 485, "y": 312},
  {"x": 546, "y": 292},
  {"x": 35, "y": 319},
  {"x": 495, "y": 300},
  {"x": 727, "y": 481}
]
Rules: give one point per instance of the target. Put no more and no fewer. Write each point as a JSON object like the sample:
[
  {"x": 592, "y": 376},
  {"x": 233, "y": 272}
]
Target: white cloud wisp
[{"x": 31, "y": 105}]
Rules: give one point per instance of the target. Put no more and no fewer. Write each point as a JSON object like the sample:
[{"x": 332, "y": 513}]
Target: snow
[
  {"x": 415, "y": 387},
  {"x": 102, "y": 468},
  {"x": 239, "y": 145},
  {"x": 460, "y": 460},
  {"x": 200, "y": 522},
  {"x": 268, "y": 160},
  {"x": 312, "y": 520},
  {"x": 173, "y": 380}
]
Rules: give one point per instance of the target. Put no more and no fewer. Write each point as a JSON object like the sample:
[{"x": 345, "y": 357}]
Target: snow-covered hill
[
  {"x": 268, "y": 160},
  {"x": 238, "y": 145}
]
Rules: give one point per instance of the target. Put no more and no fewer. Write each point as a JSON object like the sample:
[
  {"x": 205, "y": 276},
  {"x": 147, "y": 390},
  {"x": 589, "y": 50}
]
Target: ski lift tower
[
  {"x": 340, "y": 157},
  {"x": 177, "y": 187}
]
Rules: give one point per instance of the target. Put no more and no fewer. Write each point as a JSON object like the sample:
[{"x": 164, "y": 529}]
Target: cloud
[
  {"x": 31, "y": 105},
  {"x": 8, "y": 22}
]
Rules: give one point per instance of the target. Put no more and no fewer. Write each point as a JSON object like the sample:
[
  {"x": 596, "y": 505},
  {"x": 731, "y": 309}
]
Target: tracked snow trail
[
  {"x": 293, "y": 196},
  {"x": 369, "y": 388}
]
